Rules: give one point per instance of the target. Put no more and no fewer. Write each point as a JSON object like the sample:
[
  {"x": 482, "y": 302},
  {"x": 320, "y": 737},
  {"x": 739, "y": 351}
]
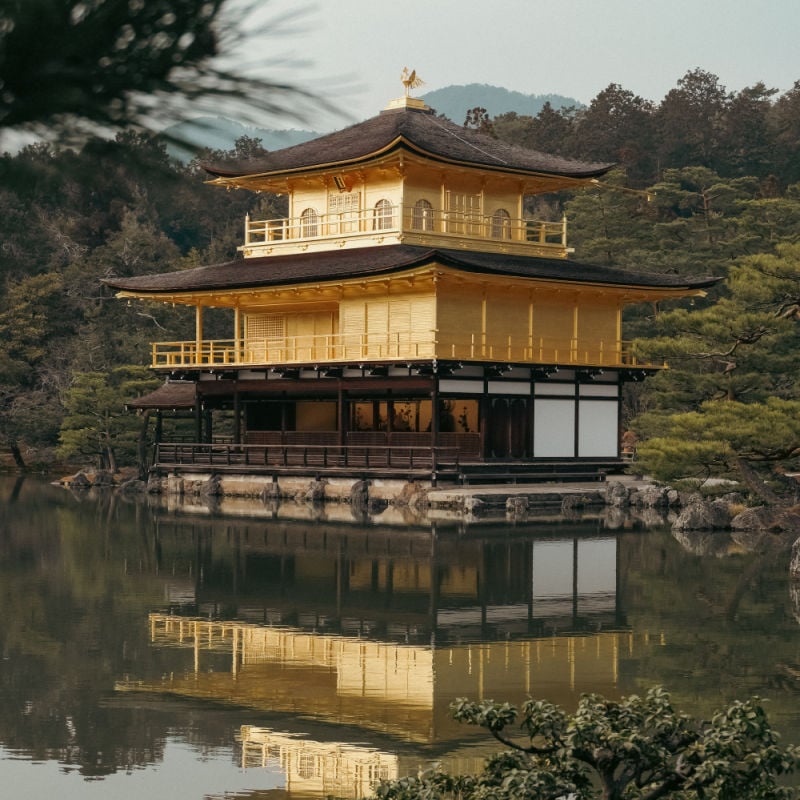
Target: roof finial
[{"x": 410, "y": 80}]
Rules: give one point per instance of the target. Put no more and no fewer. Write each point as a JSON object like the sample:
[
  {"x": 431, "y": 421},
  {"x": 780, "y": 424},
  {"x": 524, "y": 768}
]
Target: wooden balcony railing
[
  {"x": 329, "y": 457},
  {"x": 406, "y": 219},
  {"x": 397, "y": 346}
]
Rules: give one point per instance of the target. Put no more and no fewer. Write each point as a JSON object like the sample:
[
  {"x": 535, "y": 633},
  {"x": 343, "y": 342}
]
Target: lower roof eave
[{"x": 417, "y": 368}]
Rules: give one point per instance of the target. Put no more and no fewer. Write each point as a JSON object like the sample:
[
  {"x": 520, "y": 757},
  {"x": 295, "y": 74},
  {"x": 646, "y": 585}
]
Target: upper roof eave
[
  {"x": 419, "y": 130},
  {"x": 401, "y": 142}
]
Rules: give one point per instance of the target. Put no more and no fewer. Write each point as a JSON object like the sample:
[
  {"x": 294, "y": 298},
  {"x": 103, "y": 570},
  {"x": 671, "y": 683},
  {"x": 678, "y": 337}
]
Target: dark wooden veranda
[{"x": 436, "y": 464}]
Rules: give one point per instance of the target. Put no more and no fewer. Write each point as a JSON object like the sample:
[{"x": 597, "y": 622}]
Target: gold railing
[
  {"x": 539, "y": 350},
  {"x": 323, "y": 348},
  {"x": 409, "y": 219},
  {"x": 351, "y": 348}
]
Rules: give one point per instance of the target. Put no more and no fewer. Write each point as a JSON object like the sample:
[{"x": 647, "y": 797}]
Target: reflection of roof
[
  {"x": 170, "y": 395},
  {"x": 368, "y": 261},
  {"x": 416, "y": 130}
]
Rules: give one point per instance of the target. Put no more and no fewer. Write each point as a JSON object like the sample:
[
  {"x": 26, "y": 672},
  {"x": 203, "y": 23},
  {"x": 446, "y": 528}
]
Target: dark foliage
[{"x": 71, "y": 66}]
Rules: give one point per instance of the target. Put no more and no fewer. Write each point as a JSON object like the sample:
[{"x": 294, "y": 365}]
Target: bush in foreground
[{"x": 637, "y": 749}]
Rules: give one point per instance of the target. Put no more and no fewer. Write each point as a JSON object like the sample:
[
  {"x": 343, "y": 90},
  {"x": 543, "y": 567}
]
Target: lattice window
[
  {"x": 265, "y": 326},
  {"x": 463, "y": 212},
  {"x": 344, "y": 203}
]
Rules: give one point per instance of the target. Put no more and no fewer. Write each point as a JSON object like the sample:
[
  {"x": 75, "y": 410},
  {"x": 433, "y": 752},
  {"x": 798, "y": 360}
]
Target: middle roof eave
[{"x": 270, "y": 271}]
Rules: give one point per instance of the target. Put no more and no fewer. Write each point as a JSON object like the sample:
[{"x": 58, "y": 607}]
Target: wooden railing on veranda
[{"x": 281, "y": 456}]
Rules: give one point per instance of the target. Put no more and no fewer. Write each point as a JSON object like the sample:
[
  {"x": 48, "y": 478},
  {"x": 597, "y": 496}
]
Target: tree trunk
[
  {"x": 16, "y": 454},
  {"x": 111, "y": 459},
  {"x": 755, "y": 482},
  {"x": 141, "y": 447}
]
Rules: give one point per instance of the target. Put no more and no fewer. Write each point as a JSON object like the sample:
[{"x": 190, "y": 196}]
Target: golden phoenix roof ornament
[{"x": 410, "y": 80}]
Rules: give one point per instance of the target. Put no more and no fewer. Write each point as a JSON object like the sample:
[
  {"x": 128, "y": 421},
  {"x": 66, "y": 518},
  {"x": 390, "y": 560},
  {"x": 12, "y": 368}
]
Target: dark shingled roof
[
  {"x": 414, "y": 129},
  {"x": 170, "y": 395},
  {"x": 372, "y": 261}
]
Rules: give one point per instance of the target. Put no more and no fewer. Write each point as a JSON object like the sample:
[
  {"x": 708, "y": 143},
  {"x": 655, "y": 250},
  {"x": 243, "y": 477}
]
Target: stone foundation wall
[{"x": 346, "y": 490}]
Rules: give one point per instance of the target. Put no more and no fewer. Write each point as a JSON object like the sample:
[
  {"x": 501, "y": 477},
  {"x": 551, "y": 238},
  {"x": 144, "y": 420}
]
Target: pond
[{"x": 152, "y": 649}]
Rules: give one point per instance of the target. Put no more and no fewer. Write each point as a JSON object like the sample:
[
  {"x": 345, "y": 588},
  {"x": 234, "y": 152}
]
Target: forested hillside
[{"x": 708, "y": 183}]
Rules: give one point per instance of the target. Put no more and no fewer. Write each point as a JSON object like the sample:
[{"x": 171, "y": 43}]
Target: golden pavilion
[{"x": 406, "y": 318}]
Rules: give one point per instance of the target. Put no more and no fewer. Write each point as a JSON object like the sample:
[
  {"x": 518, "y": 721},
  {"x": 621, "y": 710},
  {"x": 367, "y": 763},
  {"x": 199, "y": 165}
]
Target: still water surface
[{"x": 154, "y": 651}]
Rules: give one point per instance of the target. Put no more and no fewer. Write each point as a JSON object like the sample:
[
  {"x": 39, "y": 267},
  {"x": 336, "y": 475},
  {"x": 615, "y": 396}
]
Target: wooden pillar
[
  {"x": 435, "y": 414},
  {"x": 484, "y": 315},
  {"x": 573, "y": 350},
  {"x": 198, "y": 333},
  {"x": 343, "y": 411},
  {"x": 484, "y": 413},
  {"x": 198, "y": 422},
  {"x": 237, "y": 334},
  {"x": 237, "y": 416}
]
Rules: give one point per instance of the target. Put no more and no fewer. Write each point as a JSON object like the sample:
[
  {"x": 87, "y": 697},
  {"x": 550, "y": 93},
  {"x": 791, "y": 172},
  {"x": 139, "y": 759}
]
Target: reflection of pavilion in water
[
  {"x": 378, "y": 635},
  {"x": 317, "y": 768},
  {"x": 368, "y": 581}
]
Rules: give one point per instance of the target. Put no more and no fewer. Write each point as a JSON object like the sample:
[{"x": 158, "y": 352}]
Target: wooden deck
[{"x": 369, "y": 461}]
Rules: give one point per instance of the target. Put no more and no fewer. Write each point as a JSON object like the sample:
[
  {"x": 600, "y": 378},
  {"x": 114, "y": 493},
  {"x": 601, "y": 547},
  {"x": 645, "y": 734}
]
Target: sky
[{"x": 351, "y": 52}]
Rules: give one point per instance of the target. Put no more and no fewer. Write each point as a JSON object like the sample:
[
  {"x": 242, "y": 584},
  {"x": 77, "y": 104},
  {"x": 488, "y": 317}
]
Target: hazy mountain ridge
[
  {"x": 455, "y": 101},
  {"x": 219, "y": 133}
]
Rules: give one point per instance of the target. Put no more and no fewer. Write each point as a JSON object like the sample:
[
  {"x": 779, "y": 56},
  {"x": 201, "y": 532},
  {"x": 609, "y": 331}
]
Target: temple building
[{"x": 406, "y": 316}]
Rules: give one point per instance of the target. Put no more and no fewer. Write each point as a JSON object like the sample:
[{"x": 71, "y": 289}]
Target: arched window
[
  {"x": 501, "y": 224},
  {"x": 382, "y": 216},
  {"x": 308, "y": 223},
  {"x": 422, "y": 216}
]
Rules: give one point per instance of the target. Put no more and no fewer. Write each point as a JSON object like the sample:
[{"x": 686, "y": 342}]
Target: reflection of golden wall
[
  {"x": 551, "y": 668},
  {"x": 408, "y": 688},
  {"x": 363, "y": 668},
  {"x": 412, "y": 576},
  {"x": 460, "y": 581},
  {"x": 314, "y": 569},
  {"x": 386, "y": 671}
]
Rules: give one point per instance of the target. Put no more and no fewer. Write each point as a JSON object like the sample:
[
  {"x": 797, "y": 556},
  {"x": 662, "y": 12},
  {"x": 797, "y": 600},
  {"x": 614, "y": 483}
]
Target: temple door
[
  {"x": 519, "y": 432},
  {"x": 497, "y": 428},
  {"x": 508, "y": 428}
]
